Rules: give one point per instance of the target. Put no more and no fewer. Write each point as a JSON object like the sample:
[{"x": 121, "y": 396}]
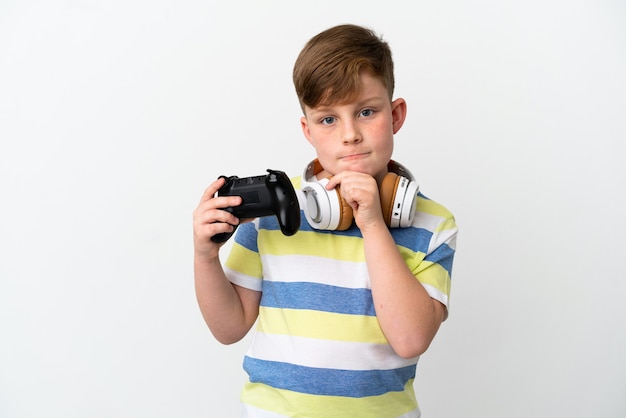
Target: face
[{"x": 357, "y": 135}]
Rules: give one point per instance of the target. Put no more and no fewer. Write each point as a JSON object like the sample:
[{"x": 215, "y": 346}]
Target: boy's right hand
[{"x": 209, "y": 219}]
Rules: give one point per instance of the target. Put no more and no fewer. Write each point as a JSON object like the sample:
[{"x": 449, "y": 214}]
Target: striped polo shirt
[{"x": 318, "y": 349}]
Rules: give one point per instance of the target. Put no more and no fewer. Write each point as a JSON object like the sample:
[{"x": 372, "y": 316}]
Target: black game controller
[{"x": 271, "y": 194}]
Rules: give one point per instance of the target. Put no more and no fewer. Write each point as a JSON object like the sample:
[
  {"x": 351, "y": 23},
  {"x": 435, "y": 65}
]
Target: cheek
[
  {"x": 383, "y": 133},
  {"x": 319, "y": 138}
]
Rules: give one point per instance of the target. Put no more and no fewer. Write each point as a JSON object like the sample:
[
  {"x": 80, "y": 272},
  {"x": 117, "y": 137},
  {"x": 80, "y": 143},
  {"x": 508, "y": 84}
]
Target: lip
[{"x": 354, "y": 156}]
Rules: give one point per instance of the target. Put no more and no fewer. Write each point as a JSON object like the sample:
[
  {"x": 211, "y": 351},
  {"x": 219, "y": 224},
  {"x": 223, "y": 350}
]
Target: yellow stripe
[
  {"x": 244, "y": 261},
  {"x": 290, "y": 403},
  {"x": 433, "y": 208},
  {"x": 322, "y": 325},
  {"x": 312, "y": 243},
  {"x": 434, "y": 275},
  {"x": 427, "y": 272}
]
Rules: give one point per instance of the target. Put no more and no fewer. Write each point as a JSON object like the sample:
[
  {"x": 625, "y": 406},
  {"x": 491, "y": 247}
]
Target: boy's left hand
[{"x": 360, "y": 191}]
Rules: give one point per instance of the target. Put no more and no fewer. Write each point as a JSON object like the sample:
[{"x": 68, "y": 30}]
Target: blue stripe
[
  {"x": 444, "y": 256},
  {"x": 269, "y": 222},
  {"x": 353, "y": 231},
  {"x": 415, "y": 239},
  {"x": 319, "y": 297},
  {"x": 331, "y": 382},
  {"x": 246, "y": 236}
]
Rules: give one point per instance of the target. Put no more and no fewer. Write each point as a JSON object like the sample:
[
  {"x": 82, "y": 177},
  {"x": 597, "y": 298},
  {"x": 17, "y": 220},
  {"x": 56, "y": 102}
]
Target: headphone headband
[
  {"x": 312, "y": 169},
  {"x": 399, "y": 169}
]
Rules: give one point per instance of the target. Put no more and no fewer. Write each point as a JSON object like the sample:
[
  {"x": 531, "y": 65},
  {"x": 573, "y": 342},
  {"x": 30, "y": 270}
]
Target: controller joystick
[{"x": 270, "y": 194}]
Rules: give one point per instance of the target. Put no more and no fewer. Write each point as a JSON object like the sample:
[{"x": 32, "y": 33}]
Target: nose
[{"x": 351, "y": 134}]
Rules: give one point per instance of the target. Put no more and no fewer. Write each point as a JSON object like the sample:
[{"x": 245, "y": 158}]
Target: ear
[
  {"x": 304, "y": 124},
  {"x": 398, "y": 113}
]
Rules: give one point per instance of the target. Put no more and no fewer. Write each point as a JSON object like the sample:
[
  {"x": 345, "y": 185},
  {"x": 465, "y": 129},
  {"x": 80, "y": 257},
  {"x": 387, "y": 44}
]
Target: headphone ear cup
[
  {"x": 409, "y": 205},
  {"x": 318, "y": 205},
  {"x": 346, "y": 216},
  {"x": 325, "y": 209},
  {"x": 387, "y": 192}
]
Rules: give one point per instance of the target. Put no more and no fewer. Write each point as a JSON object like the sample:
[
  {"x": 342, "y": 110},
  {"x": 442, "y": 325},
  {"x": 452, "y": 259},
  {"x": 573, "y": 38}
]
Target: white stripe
[
  {"x": 446, "y": 236},
  {"x": 436, "y": 294},
  {"x": 309, "y": 269},
  {"x": 325, "y": 353},
  {"x": 412, "y": 414},
  {"x": 243, "y": 280},
  {"x": 426, "y": 221},
  {"x": 288, "y": 272}
]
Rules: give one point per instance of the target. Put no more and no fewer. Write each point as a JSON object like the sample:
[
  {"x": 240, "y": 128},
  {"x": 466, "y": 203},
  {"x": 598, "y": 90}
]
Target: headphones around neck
[{"x": 326, "y": 209}]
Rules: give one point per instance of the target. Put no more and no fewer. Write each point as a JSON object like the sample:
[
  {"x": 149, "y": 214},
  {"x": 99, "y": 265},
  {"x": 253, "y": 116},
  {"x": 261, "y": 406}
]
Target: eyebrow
[
  {"x": 370, "y": 99},
  {"x": 360, "y": 103}
]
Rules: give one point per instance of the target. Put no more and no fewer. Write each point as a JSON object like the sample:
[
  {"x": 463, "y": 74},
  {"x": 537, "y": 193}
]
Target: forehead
[{"x": 369, "y": 88}]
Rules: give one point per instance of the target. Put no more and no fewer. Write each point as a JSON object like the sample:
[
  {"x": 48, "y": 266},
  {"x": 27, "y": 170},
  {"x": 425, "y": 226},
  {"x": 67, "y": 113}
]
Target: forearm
[
  {"x": 407, "y": 314},
  {"x": 220, "y": 304}
]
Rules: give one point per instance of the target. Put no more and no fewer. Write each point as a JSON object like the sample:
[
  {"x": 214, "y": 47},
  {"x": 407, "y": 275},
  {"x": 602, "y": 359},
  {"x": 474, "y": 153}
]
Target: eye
[
  {"x": 367, "y": 112},
  {"x": 328, "y": 120}
]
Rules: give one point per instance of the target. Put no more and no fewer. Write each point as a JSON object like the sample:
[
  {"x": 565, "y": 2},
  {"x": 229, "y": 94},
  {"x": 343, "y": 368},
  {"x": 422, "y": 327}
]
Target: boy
[{"x": 343, "y": 314}]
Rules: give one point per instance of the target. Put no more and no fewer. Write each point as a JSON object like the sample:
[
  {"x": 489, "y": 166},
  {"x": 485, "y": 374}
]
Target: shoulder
[
  {"x": 433, "y": 224},
  {"x": 440, "y": 225},
  {"x": 432, "y": 215},
  {"x": 426, "y": 205}
]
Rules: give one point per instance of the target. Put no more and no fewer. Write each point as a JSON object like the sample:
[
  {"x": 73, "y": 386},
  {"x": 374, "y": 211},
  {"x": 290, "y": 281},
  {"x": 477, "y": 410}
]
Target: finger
[
  {"x": 221, "y": 202},
  {"x": 353, "y": 177},
  {"x": 210, "y": 191},
  {"x": 209, "y": 214},
  {"x": 203, "y": 235},
  {"x": 336, "y": 180},
  {"x": 359, "y": 190},
  {"x": 213, "y": 229}
]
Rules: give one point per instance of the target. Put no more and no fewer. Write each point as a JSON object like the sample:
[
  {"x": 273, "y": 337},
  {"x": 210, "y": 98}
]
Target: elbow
[
  {"x": 228, "y": 338},
  {"x": 414, "y": 342},
  {"x": 410, "y": 350},
  {"x": 409, "y": 346}
]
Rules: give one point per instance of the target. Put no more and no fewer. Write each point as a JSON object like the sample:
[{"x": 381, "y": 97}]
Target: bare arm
[
  {"x": 409, "y": 317},
  {"x": 407, "y": 314},
  {"x": 228, "y": 310}
]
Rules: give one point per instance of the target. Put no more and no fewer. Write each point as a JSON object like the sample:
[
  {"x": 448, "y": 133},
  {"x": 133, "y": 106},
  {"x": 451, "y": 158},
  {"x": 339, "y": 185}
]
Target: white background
[{"x": 114, "y": 117}]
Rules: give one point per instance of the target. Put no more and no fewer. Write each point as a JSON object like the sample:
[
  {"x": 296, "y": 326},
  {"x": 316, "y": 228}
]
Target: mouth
[{"x": 354, "y": 156}]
